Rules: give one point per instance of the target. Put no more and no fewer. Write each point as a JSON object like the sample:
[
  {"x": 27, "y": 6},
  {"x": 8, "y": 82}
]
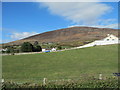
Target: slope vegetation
[{"x": 79, "y": 34}]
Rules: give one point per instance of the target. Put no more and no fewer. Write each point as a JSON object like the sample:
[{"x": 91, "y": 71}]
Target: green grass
[{"x": 71, "y": 64}]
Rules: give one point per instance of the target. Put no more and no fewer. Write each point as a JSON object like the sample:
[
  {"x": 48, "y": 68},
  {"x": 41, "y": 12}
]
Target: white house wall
[
  {"x": 111, "y": 39},
  {"x": 105, "y": 42}
]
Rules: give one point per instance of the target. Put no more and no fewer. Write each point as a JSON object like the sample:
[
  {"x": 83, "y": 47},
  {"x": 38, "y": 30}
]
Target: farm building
[
  {"x": 53, "y": 49},
  {"x": 110, "y": 39},
  {"x": 43, "y": 50},
  {"x": 3, "y": 49}
]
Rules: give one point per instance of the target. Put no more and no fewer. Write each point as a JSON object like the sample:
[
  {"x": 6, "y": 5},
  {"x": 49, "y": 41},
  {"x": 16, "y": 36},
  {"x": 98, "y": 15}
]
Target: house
[
  {"x": 3, "y": 49},
  {"x": 43, "y": 50},
  {"x": 110, "y": 39},
  {"x": 53, "y": 49},
  {"x": 46, "y": 50}
]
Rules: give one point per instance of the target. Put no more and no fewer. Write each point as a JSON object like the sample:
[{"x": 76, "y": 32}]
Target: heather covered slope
[{"x": 79, "y": 34}]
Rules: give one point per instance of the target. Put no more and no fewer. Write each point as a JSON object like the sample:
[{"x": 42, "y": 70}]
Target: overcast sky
[{"x": 23, "y": 19}]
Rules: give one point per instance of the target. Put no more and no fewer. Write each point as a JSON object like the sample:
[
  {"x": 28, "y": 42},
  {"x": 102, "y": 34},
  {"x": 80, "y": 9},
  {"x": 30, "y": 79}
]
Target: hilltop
[{"x": 71, "y": 34}]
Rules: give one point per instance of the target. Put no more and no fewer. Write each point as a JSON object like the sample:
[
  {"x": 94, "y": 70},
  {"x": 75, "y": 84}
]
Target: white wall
[
  {"x": 53, "y": 49},
  {"x": 111, "y": 39},
  {"x": 43, "y": 50}
]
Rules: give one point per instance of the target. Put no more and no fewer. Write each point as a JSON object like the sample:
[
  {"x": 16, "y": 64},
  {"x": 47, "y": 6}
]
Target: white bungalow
[
  {"x": 3, "y": 49},
  {"x": 53, "y": 49},
  {"x": 43, "y": 50},
  {"x": 110, "y": 39}
]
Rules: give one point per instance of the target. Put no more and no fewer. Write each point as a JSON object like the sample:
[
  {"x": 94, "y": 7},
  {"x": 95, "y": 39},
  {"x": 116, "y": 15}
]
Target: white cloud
[
  {"x": 6, "y": 40},
  {"x": 22, "y": 35},
  {"x": 79, "y": 12},
  {"x": 114, "y": 26},
  {"x": 107, "y": 21}
]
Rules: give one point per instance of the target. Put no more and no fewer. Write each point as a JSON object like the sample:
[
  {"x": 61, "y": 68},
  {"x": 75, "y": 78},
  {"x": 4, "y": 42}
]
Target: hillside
[{"x": 79, "y": 34}]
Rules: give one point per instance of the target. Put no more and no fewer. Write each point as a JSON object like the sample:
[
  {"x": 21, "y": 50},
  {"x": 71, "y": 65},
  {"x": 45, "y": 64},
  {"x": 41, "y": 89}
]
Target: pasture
[{"x": 71, "y": 64}]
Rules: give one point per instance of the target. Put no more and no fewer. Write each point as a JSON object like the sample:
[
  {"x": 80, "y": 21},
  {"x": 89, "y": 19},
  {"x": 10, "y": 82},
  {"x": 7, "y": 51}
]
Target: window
[
  {"x": 107, "y": 39},
  {"x": 113, "y": 39}
]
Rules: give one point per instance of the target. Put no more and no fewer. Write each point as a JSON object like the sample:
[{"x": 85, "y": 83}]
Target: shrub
[
  {"x": 59, "y": 47},
  {"x": 27, "y": 47},
  {"x": 37, "y": 48},
  {"x": 10, "y": 49}
]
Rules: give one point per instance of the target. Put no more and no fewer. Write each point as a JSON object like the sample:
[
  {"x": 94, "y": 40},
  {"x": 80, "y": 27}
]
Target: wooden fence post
[
  {"x": 100, "y": 76},
  {"x": 44, "y": 81},
  {"x": 2, "y": 80}
]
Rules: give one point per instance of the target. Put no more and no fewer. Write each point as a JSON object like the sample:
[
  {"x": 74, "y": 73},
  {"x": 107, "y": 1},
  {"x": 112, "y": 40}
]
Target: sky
[{"x": 23, "y": 19}]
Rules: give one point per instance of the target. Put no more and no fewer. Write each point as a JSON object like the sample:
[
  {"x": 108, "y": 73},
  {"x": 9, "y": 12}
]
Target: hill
[
  {"x": 71, "y": 34},
  {"x": 71, "y": 64}
]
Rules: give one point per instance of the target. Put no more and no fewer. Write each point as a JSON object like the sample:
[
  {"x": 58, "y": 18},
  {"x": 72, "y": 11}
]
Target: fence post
[
  {"x": 2, "y": 80},
  {"x": 100, "y": 76},
  {"x": 44, "y": 81}
]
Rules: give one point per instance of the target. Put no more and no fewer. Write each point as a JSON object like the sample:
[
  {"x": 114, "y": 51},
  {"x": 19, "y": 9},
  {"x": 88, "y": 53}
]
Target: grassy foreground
[{"x": 71, "y": 64}]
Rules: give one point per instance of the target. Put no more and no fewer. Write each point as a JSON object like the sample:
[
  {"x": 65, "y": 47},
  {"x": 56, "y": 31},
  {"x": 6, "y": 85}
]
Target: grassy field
[{"x": 71, "y": 64}]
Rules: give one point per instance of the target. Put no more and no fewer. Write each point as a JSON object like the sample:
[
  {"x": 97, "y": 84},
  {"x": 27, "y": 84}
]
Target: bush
[
  {"x": 37, "y": 48},
  {"x": 27, "y": 47},
  {"x": 10, "y": 50},
  {"x": 59, "y": 47},
  {"x": 17, "y": 50},
  {"x": 2, "y": 52}
]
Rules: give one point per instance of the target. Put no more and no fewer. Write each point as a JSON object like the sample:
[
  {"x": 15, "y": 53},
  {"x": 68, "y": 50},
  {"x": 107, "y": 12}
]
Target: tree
[
  {"x": 27, "y": 47},
  {"x": 59, "y": 47},
  {"x": 37, "y": 48},
  {"x": 10, "y": 49},
  {"x": 36, "y": 43}
]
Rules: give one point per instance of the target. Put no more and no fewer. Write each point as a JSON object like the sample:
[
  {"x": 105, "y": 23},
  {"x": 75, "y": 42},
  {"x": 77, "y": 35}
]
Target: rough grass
[
  {"x": 71, "y": 64},
  {"x": 69, "y": 84}
]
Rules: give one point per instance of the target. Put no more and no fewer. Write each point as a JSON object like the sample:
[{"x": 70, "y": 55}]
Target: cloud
[
  {"x": 21, "y": 35},
  {"x": 114, "y": 26},
  {"x": 107, "y": 21},
  {"x": 78, "y": 12}
]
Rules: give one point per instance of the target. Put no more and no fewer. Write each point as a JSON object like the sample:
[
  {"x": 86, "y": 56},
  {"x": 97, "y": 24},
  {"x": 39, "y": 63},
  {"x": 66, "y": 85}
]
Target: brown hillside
[{"x": 70, "y": 34}]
